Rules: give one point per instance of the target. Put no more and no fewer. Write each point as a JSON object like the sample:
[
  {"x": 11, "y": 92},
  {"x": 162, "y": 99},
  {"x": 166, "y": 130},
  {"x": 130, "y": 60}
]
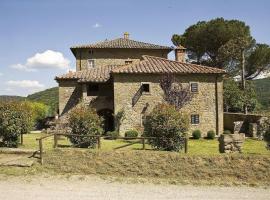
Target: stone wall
[
  {"x": 203, "y": 103},
  {"x": 231, "y": 143},
  {"x": 103, "y": 57},
  {"x": 230, "y": 118},
  {"x": 70, "y": 93}
]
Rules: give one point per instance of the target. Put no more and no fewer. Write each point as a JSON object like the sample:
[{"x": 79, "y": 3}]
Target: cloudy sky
[{"x": 35, "y": 35}]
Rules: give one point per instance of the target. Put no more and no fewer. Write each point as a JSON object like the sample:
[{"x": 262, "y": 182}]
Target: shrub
[
  {"x": 197, "y": 134},
  {"x": 15, "y": 119},
  {"x": 112, "y": 135},
  {"x": 131, "y": 133},
  {"x": 168, "y": 125},
  {"x": 226, "y": 132},
  {"x": 211, "y": 135},
  {"x": 84, "y": 121}
]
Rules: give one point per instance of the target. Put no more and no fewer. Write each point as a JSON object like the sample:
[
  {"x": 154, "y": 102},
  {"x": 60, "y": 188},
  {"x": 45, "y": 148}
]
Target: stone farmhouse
[{"x": 122, "y": 76}]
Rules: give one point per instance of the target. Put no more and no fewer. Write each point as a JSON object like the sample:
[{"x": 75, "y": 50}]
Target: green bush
[
  {"x": 211, "y": 135},
  {"x": 197, "y": 134},
  {"x": 84, "y": 121},
  {"x": 112, "y": 135},
  {"x": 131, "y": 133},
  {"x": 226, "y": 132},
  {"x": 168, "y": 125},
  {"x": 15, "y": 119}
]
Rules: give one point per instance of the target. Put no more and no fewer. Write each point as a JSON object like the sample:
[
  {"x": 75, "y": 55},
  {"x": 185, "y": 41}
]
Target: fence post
[
  {"x": 41, "y": 151},
  {"x": 98, "y": 141},
  {"x": 21, "y": 139},
  {"x": 55, "y": 137},
  {"x": 186, "y": 144},
  {"x": 143, "y": 143}
]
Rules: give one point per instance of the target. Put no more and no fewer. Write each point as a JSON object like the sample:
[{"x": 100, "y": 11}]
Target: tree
[
  {"x": 175, "y": 93},
  {"x": 204, "y": 39}
]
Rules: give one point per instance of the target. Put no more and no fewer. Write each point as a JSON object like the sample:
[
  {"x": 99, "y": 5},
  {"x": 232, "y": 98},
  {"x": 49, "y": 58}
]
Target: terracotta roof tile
[
  {"x": 122, "y": 43},
  {"x": 152, "y": 64},
  {"x": 97, "y": 74}
]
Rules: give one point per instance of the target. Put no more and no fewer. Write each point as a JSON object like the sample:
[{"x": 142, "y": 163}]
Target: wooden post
[
  {"x": 186, "y": 144},
  {"x": 55, "y": 136},
  {"x": 143, "y": 143},
  {"x": 21, "y": 139},
  {"x": 98, "y": 141},
  {"x": 41, "y": 151}
]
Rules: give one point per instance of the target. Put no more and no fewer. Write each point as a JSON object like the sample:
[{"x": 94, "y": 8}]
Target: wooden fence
[{"x": 98, "y": 138}]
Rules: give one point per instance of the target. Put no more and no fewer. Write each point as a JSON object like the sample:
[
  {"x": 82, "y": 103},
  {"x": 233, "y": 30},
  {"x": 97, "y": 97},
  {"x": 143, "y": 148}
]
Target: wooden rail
[{"x": 98, "y": 137}]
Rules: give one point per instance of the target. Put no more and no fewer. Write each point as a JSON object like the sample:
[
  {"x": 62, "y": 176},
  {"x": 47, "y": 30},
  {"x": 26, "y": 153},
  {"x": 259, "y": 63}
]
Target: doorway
[{"x": 108, "y": 119}]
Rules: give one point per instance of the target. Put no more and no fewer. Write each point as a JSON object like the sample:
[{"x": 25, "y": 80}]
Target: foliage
[
  {"x": 227, "y": 132},
  {"x": 197, "y": 134},
  {"x": 84, "y": 121},
  {"x": 204, "y": 39},
  {"x": 131, "y": 133},
  {"x": 15, "y": 119},
  {"x": 211, "y": 135},
  {"x": 168, "y": 125},
  {"x": 174, "y": 93},
  {"x": 119, "y": 117},
  {"x": 235, "y": 98},
  {"x": 112, "y": 135},
  {"x": 262, "y": 91},
  {"x": 48, "y": 97}
]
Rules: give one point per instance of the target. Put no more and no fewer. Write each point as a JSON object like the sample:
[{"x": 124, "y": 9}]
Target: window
[
  {"x": 146, "y": 87},
  {"x": 92, "y": 90},
  {"x": 91, "y": 63},
  {"x": 91, "y": 51},
  {"x": 127, "y": 62},
  {"x": 194, "y": 87},
  {"x": 195, "y": 119}
]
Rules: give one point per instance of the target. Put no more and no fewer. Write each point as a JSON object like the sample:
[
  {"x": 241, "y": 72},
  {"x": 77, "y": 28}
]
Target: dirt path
[{"x": 80, "y": 188}]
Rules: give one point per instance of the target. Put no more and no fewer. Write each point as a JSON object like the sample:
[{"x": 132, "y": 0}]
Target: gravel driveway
[{"x": 93, "y": 188}]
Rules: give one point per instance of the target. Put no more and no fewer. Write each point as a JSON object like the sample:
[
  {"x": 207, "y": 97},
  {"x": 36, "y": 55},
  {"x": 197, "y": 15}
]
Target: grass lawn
[{"x": 195, "y": 147}]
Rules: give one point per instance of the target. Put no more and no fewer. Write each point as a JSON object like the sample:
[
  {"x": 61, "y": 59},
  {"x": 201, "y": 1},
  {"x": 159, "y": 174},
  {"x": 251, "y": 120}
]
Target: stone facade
[
  {"x": 208, "y": 102},
  {"x": 103, "y": 57}
]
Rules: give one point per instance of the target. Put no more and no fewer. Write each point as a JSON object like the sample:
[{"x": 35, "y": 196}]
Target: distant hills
[{"x": 49, "y": 97}]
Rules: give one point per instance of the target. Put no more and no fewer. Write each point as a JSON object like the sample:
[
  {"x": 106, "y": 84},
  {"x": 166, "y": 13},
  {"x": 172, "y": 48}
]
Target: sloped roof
[
  {"x": 122, "y": 43},
  {"x": 157, "y": 65},
  {"x": 97, "y": 74}
]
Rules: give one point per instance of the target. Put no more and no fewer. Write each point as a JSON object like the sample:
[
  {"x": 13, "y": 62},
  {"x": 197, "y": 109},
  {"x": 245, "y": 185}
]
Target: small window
[
  {"x": 194, "y": 87},
  {"x": 146, "y": 87},
  {"x": 127, "y": 62},
  {"x": 195, "y": 119},
  {"x": 92, "y": 90},
  {"x": 91, "y": 63},
  {"x": 91, "y": 52}
]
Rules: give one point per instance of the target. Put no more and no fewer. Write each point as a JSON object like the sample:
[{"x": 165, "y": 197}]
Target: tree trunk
[{"x": 243, "y": 80}]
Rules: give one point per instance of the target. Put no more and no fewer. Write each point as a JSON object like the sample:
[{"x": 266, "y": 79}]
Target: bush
[
  {"x": 131, "y": 133},
  {"x": 226, "y": 132},
  {"x": 15, "y": 119},
  {"x": 197, "y": 134},
  {"x": 112, "y": 135},
  {"x": 168, "y": 125},
  {"x": 211, "y": 135},
  {"x": 84, "y": 121}
]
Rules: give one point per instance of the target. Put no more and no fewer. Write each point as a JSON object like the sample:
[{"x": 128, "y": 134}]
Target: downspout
[{"x": 217, "y": 103}]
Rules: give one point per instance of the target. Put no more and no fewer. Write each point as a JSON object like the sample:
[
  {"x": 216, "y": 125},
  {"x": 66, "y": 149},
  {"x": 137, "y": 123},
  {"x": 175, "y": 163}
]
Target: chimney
[
  {"x": 180, "y": 54},
  {"x": 126, "y": 35}
]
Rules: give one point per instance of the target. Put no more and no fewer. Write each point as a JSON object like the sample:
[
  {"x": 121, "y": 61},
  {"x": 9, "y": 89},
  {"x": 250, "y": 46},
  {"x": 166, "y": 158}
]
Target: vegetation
[
  {"x": 263, "y": 93},
  {"x": 112, "y": 135},
  {"x": 84, "y": 121},
  {"x": 197, "y": 134},
  {"x": 131, "y": 133},
  {"x": 235, "y": 99},
  {"x": 211, "y": 135},
  {"x": 168, "y": 125},
  {"x": 16, "y": 118}
]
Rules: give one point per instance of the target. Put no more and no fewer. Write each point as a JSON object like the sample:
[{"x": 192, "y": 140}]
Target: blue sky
[{"x": 35, "y": 35}]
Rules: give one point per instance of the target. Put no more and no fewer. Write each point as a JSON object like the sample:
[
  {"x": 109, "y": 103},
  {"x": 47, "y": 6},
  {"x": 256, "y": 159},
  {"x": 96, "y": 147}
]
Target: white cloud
[
  {"x": 47, "y": 60},
  {"x": 96, "y": 25},
  {"x": 26, "y": 84},
  {"x": 1, "y": 74}
]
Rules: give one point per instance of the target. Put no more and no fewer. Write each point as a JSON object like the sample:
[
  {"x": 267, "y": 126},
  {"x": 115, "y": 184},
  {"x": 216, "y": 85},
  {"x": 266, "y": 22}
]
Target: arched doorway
[{"x": 108, "y": 123}]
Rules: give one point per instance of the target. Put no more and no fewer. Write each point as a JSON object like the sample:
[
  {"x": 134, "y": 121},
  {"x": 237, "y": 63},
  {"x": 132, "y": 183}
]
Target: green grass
[{"x": 195, "y": 147}]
